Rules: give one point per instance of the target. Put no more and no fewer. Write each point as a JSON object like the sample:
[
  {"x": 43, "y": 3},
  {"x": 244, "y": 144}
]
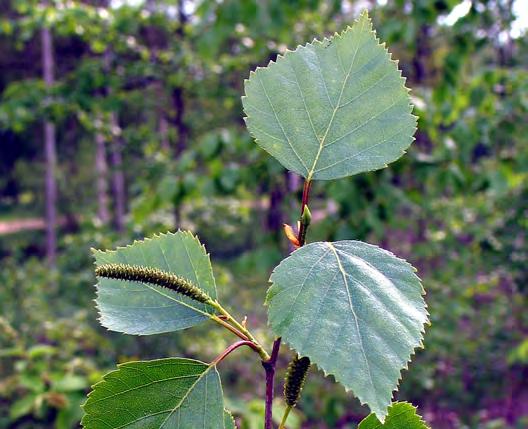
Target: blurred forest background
[{"x": 119, "y": 119}]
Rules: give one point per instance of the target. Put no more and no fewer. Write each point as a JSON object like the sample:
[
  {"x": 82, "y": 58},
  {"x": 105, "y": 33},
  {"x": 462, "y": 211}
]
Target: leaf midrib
[
  {"x": 184, "y": 397},
  {"x": 336, "y": 108},
  {"x": 280, "y": 123},
  {"x": 351, "y": 306}
]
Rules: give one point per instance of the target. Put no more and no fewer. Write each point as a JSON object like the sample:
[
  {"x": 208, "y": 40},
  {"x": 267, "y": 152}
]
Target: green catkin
[
  {"x": 294, "y": 380},
  {"x": 136, "y": 273}
]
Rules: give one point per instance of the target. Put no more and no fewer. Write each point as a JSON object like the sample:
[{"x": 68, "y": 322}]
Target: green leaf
[
  {"x": 23, "y": 406},
  {"x": 402, "y": 415},
  {"x": 229, "y": 421},
  {"x": 166, "y": 393},
  {"x": 355, "y": 310},
  {"x": 144, "y": 309},
  {"x": 332, "y": 109}
]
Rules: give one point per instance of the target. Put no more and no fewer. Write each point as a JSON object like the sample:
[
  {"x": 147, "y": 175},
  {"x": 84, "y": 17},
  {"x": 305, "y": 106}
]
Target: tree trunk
[
  {"x": 118, "y": 177},
  {"x": 178, "y": 121},
  {"x": 422, "y": 54},
  {"x": 50, "y": 153},
  {"x": 274, "y": 220},
  {"x": 116, "y": 158},
  {"x": 101, "y": 170},
  {"x": 178, "y": 102},
  {"x": 164, "y": 132},
  {"x": 154, "y": 43}
]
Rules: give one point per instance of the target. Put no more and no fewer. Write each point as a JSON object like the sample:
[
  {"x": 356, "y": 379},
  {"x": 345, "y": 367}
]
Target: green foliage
[
  {"x": 455, "y": 206},
  {"x": 355, "y": 310},
  {"x": 176, "y": 393},
  {"x": 371, "y": 307},
  {"x": 400, "y": 415},
  {"x": 142, "y": 308},
  {"x": 331, "y": 109}
]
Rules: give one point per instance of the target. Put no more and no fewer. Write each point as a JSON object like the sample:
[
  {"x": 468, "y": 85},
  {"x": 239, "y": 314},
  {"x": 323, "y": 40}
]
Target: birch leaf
[
  {"x": 166, "y": 393},
  {"x": 332, "y": 109},
  {"x": 143, "y": 309},
  {"x": 355, "y": 310},
  {"x": 402, "y": 415}
]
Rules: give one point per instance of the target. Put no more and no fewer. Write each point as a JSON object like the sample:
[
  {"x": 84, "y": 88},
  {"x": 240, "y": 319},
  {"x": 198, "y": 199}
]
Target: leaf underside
[
  {"x": 355, "y": 310},
  {"x": 173, "y": 393},
  {"x": 332, "y": 109},
  {"x": 144, "y": 309},
  {"x": 402, "y": 415}
]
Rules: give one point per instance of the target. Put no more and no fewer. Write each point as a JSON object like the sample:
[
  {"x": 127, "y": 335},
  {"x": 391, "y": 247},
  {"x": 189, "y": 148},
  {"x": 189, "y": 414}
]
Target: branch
[
  {"x": 301, "y": 238},
  {"x": 269, "y": 367},
  {"x": 231, "y": 349},
  {"x": 238, "y": 329}
]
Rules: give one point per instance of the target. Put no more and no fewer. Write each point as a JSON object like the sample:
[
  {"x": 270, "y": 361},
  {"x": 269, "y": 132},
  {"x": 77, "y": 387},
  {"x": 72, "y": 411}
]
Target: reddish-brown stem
[
  {"x": 306, "y": 194},
  {"x": 269, "y": 367},
  {"x": 231, "y": 349},
  {"x": 305, "y": 197}
]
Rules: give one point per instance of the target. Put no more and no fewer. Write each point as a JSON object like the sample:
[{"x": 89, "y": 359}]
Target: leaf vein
[{"x": 280, "y": 123}]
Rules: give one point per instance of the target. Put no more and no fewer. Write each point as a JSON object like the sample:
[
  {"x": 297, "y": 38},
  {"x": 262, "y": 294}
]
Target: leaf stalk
[
  {"x": 238, "y": 329},
  {"x": 231, "y": 349}
]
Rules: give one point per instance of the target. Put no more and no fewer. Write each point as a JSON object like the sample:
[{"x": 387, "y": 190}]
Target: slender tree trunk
[
  {"x": 153, "y": 43},
  {"x": 178, "y": 102},
  {"x": 275, "y": 220},
  {"x": 50, "y": 152},
  {"x": 164, "y": 132},
  {"x": 179, "y": 124},
  {"x": 101, "y": 170},
  {"x": 422, "y": 54},
  {"x": 118, "y": 177},
  {"x": 116, "y": 159}
]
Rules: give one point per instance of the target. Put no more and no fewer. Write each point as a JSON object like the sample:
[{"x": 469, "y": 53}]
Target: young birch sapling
[{"x": 329, "y": 109}]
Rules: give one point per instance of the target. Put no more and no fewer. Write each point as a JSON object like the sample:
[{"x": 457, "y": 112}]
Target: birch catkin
[
  {"x": 136, "y": 273},
  {"x": 294, "y": 380}
]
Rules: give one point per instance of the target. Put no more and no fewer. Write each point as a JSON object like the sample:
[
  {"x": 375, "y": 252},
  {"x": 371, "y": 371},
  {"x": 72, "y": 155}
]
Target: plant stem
[
  {"x": 301, "y": 237},
  {"x": 231, "y": 349},
  {"x": 238, "y": 329},
  {"x": 305, "y": 197},
  {"x": 285, "y": 417},
  {"x": 229, "y": 327},
  {"x": 269, "y": 367}
]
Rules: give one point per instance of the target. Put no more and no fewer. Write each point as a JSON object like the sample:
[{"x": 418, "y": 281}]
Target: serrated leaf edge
[
  {"x": 152, "y": 238},
  {"x": 231, "y": 416},
  {"x": 413, "y": 352},
  {"x": 415, "y": 408},
  {"x": 326, "y": 39},
  {"x": 104, "y": 379}
]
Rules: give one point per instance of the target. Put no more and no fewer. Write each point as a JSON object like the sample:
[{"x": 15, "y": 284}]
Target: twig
[
  {"x": 221, "y": 321},
  {"x": 301, "y": 239},
  {"x": 229, "y": 322},
  {"x": 231, "y": 349},
  {"x": 269, "y": 367},
  {"x": 305, "y": 197}
]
